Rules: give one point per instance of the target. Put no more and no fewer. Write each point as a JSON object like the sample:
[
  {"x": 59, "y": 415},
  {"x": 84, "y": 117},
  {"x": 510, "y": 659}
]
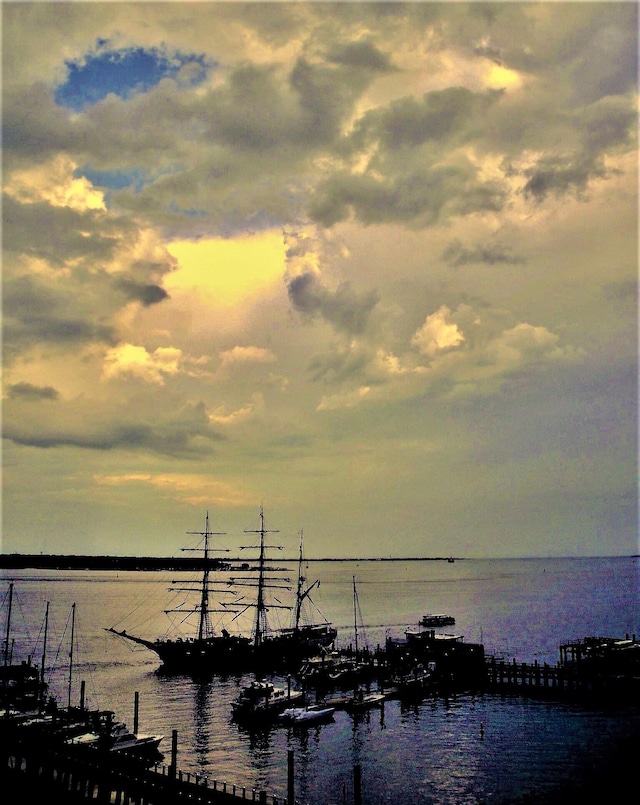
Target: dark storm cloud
[
  {"x": 419, "y": 198},
  {"x": 58, "y": 234},
  {"x": 28, "y": 392},
  {"x": 188, "y": 434},
  {"x": 146, "y": 294},
  {"x": 454, "y": 114},
  {"x": 362, "y": 55},
  {"x": 457, "y": 254},
  {"x": 33, "y": 127},
  {"x": 338, "y": 367},
  {"x": 407, "y": 179},
  {"x": 347, "y": 311},
  {"x": 558, "y": 175},
  {"x": 34, "y": 313}
]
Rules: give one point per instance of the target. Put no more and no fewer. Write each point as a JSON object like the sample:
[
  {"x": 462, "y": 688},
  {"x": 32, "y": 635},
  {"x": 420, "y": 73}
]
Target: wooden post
[
  {"x": 174, "y": 754},
  {"x": 290, "y": 780},
  {"x": 82, "y": 688},
  {"x": 357, "y": 785},
  {"x": 136, "y": 711}
]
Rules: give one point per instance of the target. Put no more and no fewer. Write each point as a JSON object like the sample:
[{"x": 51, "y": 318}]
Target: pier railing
[{"x": 80, "y": 777}]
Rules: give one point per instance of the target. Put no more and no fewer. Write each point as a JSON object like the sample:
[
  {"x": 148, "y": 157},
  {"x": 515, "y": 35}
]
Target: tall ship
[
  {"x": 225, "y": 649},
  {"x": 207, "y": 650},
  {"x": 285, "y": 649}
]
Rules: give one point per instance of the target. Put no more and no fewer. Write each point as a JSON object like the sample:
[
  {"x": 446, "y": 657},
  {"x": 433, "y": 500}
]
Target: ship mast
[
  {"x": 355, "y": 615},
  {"x": 204, "y": 626},
  {"x": 299, "y": 596},
  {"x": 7, "y": 638},
  {"x": 300, "y": 593},
  {"x": 261, "y": 625},
  {"x": 73, "y": 632}
]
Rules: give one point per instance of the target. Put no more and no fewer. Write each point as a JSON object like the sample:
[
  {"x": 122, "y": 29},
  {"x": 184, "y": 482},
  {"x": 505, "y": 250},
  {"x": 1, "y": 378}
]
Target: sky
[{"x": 370, "y": 266}]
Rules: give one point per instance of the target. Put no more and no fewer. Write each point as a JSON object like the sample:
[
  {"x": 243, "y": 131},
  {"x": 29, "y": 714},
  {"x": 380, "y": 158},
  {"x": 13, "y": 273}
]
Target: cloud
[
  {"x": 186, "y": 433},
  {"x": 245, "y": 355},
  {"x": 438, "y": 333},
  {"x": 147, "y": 295},
  {"x": 27, "y": 391},
  {"x": 220, "y": 415},
  {"x": 343, "y": 308},
  {"x": 196, "y": 490},
  {"x": 457, "y": 254},
  {"x": 455, "y": 353},
  {"x": 129, "y": 360},
  {"x": 36, "y": 312}
]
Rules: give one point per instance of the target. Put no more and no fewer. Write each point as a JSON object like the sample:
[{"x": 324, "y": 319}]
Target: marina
[{"x": 405, "y": 707}]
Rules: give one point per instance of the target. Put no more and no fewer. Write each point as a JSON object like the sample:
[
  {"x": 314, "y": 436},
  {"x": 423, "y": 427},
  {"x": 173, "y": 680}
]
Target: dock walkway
[{"x": 73, "y": 776}]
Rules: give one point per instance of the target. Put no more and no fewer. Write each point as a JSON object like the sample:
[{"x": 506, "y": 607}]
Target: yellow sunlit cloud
[
  {"x": 502, "y": 78},
  {"x": 227, "y": 271},
  {"x": 54, "y": 182}
]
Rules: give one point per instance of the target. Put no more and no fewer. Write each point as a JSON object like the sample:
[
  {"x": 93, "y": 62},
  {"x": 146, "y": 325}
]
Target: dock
[{"x": 51, "y": 771}]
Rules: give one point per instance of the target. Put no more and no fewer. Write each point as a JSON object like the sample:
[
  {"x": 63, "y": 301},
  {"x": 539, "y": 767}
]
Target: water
[{"x": 466, "y": 749}]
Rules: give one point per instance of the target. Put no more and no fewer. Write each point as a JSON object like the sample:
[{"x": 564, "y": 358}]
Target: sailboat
[
  {"x": 22, "y": 685},
  {"x": 207, "y": 651},
  {"x": 266, "y": 649}
]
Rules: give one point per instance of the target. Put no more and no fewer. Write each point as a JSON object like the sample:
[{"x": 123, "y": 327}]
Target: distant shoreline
[
  {"x": 33, "y": 561},
  {"x": 15, "y": 561}
]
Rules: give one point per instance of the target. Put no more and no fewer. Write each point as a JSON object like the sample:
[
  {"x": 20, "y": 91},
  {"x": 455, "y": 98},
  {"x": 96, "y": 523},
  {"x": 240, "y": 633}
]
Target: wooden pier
[
  {"x": 74, "y": 775},
  {"x": 595, "y": 666}
]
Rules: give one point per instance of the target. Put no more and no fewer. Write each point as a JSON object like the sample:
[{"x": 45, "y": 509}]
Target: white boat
[
  {"x": 264, "y": 699},
  {"x": 306, "y": 715},
  {"x": 114, "y": 736},
  {"x": 437, "y": 620}
]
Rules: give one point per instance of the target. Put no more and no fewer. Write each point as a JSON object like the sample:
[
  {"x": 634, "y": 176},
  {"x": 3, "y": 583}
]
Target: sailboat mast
[
  {"x": 7, "y": 638},
  {"x": 73, "y": 626},
  {"x": 44, "y": 645},
  {"x": 355, "y": 615},
  {"x": 299, "y": 595}
]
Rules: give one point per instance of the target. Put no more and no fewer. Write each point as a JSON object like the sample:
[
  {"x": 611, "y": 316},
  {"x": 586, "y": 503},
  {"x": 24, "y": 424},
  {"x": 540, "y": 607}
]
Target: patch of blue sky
[
  {"x": 124, "y": 72},
  {"x": 113, "y": 179}
]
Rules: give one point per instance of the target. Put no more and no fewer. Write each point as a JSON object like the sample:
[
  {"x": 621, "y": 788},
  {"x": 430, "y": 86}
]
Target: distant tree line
[{"x": 16, "y": 561}]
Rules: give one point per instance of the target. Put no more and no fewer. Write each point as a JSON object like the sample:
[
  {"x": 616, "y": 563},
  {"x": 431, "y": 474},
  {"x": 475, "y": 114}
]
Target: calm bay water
[{"x": 466, "y": 749}]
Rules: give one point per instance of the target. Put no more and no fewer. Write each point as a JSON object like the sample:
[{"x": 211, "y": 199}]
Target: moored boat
[
  {"x": 109, "y": 735},
  {"x": 437, "y": 620},
  {"x": 310, "y": 714},
  {"x": 260, "y": 699}
]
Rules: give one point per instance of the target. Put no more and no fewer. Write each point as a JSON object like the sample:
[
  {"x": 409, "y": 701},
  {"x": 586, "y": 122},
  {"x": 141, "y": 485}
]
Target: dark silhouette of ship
[{"x": 265, "y": 649}]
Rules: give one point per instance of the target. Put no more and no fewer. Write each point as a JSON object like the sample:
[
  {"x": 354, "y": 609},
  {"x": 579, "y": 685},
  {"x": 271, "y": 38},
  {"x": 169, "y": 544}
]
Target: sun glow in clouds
[{"x": 227, "y": 271}]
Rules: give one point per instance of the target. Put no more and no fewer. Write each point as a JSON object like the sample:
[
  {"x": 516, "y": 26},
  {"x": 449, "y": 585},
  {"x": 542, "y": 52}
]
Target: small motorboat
[
  {"x": 115, "y": 737},
  {"x": 306, "y": 715},
  {"x": 437, "y": 620},
  {"x": 261, "y": 699}
]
